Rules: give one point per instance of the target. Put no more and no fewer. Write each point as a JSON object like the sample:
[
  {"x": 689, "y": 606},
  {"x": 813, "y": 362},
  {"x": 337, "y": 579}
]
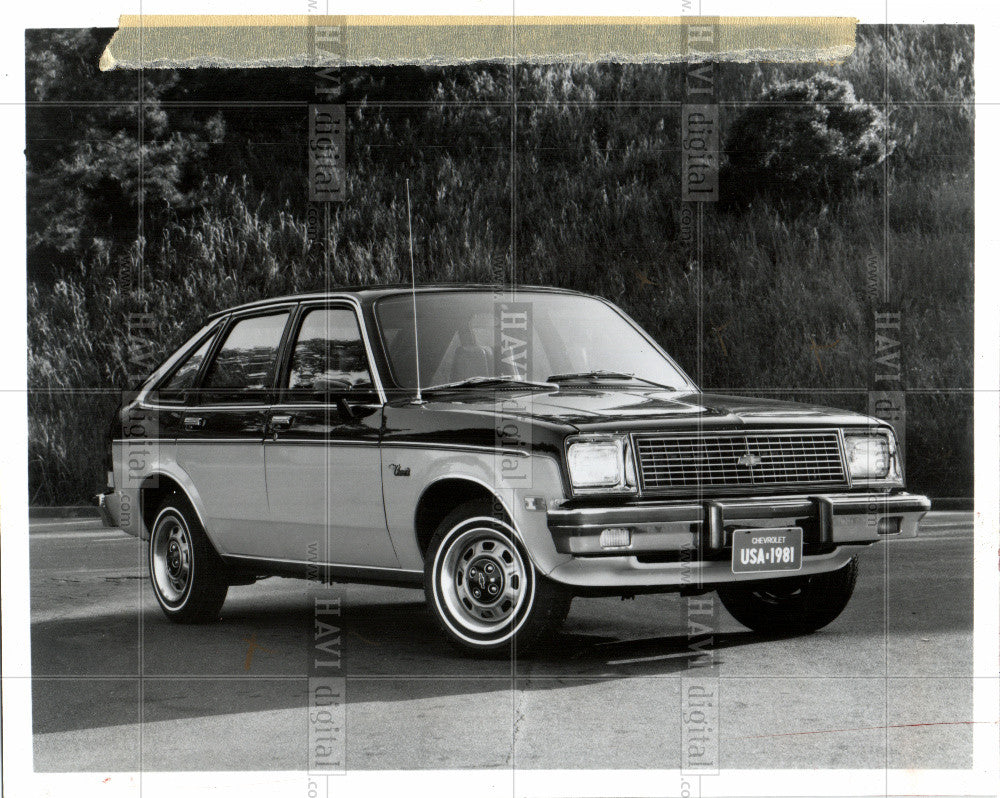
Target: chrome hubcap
[
  {"x": 483, "y": 580},
  {"x": 171, "y": 560}
]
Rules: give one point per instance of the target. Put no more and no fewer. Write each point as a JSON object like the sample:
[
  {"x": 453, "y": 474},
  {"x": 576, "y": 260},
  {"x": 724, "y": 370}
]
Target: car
[{"x": 506, "y": 450}]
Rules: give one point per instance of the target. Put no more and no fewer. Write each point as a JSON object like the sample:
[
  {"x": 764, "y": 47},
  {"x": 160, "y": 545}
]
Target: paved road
[{"x": 888, "y": 683}]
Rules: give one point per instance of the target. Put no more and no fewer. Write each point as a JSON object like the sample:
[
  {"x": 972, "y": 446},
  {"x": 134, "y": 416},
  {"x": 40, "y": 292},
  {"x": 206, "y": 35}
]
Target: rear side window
[
  {"x": 183, "y": 378},
  {"x": 182, "y": 375},
  {"x": 243, "y": 368}
]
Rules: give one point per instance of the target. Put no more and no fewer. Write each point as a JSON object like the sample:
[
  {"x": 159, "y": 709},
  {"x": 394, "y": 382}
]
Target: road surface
[{"x": 118, "y": 688}]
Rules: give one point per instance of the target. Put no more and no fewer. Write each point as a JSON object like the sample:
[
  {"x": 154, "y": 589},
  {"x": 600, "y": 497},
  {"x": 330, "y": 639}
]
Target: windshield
[{"x": 534, "y": 337}]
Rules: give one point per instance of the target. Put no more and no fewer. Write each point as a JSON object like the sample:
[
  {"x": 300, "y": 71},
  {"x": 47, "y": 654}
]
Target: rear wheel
[
  {"x": 796, "y": 605},
  {"x": 483, "y": 588},
  {"x": 188, "y": 576}
]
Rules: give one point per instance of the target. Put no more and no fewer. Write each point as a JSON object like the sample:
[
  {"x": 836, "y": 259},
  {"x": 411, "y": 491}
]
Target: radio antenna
[{"x": 413, "y": 293}]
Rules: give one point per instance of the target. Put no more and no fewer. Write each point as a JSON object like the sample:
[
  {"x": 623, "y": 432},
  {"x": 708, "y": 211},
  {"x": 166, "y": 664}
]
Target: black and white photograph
[{"x": 504, "y": 404}]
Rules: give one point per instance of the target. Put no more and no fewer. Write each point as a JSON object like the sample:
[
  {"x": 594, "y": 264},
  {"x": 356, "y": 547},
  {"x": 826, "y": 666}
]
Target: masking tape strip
[{"x": 169, "y": 41}]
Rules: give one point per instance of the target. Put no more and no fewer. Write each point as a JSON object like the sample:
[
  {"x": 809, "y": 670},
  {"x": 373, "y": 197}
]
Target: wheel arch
[
  {"x": 156, "y": 487},
  {"x": 446, "y": 493}
]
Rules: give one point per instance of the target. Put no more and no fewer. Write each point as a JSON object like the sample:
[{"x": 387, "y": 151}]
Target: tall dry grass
[{"x": 578, "y": 188}]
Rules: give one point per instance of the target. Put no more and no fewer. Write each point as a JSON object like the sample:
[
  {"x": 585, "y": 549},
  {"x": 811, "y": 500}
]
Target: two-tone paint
[{"x": 282, "y": 486}]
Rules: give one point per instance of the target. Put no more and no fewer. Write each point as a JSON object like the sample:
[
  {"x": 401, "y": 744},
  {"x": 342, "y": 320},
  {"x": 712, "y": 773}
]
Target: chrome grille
[{"x": 734, "y": 460}]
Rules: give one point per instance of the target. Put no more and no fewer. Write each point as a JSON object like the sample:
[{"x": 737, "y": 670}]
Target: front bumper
[{"x": 669, "y": 539}]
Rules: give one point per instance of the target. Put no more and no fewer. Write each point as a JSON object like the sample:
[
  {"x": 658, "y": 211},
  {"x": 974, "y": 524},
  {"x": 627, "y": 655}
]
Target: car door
[
  {"x": 220, "y": 430},
  {"x": 323, "y": 464}
]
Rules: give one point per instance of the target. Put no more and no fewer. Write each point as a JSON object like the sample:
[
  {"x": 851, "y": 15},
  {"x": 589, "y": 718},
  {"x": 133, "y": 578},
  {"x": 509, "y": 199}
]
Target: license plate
[{"x": 761, "y": 550}]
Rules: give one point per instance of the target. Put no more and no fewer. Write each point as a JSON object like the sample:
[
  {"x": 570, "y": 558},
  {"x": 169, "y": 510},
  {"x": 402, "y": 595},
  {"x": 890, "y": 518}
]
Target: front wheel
[
  {"x": 482, "y": 587},
  {"x": 792, "y": 605},
  {"x": 188, "y": 575}
]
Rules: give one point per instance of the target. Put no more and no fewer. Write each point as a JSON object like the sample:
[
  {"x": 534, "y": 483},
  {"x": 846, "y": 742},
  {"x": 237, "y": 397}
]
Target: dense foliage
[
  {"x": 809, "y": 141},
  {"x": 576, "y": 184}
]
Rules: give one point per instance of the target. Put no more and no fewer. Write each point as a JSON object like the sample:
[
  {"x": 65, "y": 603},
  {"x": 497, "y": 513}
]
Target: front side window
[
  {"x": 243, "y": 368},
  {"x": 328, "y": 356}
]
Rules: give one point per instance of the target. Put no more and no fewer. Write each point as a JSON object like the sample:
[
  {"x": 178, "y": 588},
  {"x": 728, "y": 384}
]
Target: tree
[
  {"x": 85, "y": 148},
  {"x": 807, "y": 142}
]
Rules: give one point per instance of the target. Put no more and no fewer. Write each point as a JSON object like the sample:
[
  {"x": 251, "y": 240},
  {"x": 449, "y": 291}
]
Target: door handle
[
  {"x": 281, "y": 422},
  {"x": 194, "y": 422}
]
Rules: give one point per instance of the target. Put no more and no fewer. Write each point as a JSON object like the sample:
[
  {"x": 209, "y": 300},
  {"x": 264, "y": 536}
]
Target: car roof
[{"x": 369, "y": 293}]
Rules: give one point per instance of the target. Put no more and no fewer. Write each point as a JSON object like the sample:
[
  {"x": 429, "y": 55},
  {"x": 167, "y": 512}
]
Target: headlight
[
  {"x": 870, "y": 455},
  {"x": 599, "y": 463}
]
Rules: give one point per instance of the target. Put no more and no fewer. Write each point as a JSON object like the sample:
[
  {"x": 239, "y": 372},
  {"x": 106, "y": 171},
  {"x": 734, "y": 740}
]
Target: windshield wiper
[
  {"x": 488, "y": 382},
  {"x": 602, "y": 374}
]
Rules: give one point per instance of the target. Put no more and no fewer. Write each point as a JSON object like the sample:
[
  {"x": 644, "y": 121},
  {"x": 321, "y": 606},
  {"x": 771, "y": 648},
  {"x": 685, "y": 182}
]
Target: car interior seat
[{"x": 471, "y": 359}]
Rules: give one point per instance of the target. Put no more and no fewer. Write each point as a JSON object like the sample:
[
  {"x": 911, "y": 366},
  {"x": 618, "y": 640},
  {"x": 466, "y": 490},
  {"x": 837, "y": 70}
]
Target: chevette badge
[{"x": 749, "y": 460}]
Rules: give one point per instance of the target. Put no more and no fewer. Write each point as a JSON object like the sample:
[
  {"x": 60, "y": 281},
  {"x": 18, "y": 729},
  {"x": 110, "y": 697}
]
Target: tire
[
  {"x": 791, "y": 606},
  {"x": 188, "y": 576},
  {"x": 526, "y": 608}
]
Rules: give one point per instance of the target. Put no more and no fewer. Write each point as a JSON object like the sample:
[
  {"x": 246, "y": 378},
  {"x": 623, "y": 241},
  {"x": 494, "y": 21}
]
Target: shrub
[
  {"x": 807, "y": 142},
  {"x": 585, "y": 198}
]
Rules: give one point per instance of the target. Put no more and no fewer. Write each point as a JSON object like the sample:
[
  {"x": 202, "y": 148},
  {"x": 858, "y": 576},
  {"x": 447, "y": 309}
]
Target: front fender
[{"x": 533, "y": 476}]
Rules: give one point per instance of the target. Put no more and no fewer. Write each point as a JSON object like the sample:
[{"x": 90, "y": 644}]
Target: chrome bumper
[
  {"x": 665, "y": 527},
  {"x": 685, "y": 546}
]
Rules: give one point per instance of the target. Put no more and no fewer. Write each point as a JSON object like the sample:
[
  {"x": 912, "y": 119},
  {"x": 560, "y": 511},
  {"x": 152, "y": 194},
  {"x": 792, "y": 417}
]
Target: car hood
[{"x": 597, "y": 409}]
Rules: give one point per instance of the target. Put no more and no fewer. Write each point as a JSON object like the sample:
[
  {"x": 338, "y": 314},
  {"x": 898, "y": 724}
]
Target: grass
[{"x": 587, "y": 199}]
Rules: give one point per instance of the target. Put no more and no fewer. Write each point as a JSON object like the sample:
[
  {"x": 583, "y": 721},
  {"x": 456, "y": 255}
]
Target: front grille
[{"x": 736, "y": 460}]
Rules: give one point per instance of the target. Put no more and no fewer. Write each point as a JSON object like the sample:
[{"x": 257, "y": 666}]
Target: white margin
[{"x": 17, "y": 750}]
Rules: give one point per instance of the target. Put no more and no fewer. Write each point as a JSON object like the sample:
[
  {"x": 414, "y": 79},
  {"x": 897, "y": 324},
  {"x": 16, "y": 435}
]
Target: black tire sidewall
[{"x": 823, "y": 598}]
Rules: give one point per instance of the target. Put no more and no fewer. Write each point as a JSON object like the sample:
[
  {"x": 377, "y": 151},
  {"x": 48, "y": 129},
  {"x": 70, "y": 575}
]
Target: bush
[
  {"x": 807, "y": 142},
  {"x": 587, "y": 199}
]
